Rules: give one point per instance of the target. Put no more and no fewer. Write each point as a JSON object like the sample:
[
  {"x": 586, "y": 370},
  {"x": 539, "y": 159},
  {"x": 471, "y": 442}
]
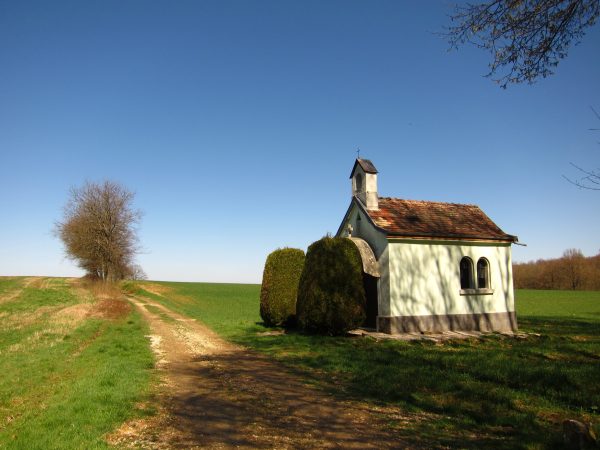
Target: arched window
[
  {"x": 483, "y": 274},
  {"x": 466, "y": 273},
  {"x": 358, "y": 180}
]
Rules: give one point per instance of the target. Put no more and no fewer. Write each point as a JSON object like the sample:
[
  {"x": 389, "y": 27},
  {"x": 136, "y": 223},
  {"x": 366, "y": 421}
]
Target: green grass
[
  {"x": 8, "y": 284},
  {"x": 578, "y": 305},
  {"x": 496, "y": 392},
  {"x": 232, "y": 310},
  {"x": 31, "y": 299},
  {"x": 65, "y": 382}
]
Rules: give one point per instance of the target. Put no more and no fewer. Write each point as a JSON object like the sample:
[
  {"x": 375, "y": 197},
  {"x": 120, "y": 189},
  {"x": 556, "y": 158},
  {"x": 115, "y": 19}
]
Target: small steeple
[{"x": 364, "y": 183}]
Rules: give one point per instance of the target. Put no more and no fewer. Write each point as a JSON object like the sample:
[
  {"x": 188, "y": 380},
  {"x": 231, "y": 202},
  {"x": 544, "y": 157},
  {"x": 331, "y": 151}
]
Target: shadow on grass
[
  {"x": 558, "y": 326},
  {"x": 493, "y": 392}
]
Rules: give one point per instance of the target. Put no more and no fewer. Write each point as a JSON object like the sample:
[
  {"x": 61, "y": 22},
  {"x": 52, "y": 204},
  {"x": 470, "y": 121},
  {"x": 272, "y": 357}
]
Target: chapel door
[{"x": 370, "y": 284}]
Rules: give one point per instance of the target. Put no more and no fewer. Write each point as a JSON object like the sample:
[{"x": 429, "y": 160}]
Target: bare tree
[
  {"x": 571, "y": 271},
  {"x": 137, "y": 273},
  {"x": 99, "y": 230},
  {"x": 526, "y": 38},
  {"x": 573, "y": 264}
]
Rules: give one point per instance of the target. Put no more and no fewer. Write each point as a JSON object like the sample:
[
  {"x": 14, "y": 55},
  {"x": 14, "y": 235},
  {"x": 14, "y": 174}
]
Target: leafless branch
[
  {"x": 526, "y": 38},
  {"x": 589, "y": 179}
]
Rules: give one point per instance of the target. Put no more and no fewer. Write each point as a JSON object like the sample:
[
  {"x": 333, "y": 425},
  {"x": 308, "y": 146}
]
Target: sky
[{"x": 236, "y": 123}]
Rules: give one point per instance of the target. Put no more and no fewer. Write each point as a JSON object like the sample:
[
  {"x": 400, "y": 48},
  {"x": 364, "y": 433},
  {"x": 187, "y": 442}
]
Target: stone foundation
[{"x": 506, "y": 322}]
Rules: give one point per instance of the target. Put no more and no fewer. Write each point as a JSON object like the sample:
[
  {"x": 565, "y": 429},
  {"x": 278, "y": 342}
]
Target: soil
[{"x": 214, "y": 394}]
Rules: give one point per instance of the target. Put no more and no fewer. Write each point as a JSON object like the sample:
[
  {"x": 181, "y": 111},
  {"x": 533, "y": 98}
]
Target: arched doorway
[
  {"x": 370, "y": 283},
  {"x": 370, "y": 280}
]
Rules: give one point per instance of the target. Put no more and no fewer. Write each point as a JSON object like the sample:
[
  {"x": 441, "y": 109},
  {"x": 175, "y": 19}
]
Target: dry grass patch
[
  {"x": 156, "y": 289},
  {"x": 106, "y": 299},
  {"x": 74, "y": 313},
  {"x": 99, "y": 289},
  {"x": 111, "y": 308},
  {"x": 165, "y": 291}
]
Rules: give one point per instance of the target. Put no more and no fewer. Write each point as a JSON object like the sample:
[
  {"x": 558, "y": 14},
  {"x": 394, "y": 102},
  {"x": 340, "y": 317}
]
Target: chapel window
[
  {"x": 483, "y": 274},
  {"x": 466, "y": 273},
  {"x": 358, "y": 179}
]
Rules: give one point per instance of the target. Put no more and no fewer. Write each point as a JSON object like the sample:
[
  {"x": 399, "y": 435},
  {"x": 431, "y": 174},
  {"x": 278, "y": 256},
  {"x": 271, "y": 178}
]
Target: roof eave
[{"x": 509, "y": 239}]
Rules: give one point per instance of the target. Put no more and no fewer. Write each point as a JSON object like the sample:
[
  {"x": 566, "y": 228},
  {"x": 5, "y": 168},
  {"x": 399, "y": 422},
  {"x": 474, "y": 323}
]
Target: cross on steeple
[{"x": 358, "y": 152}]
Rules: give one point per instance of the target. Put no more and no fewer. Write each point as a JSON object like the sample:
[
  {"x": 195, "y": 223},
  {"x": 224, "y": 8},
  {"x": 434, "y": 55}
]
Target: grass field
[
  {"x": 577, "y": 305},
  {"x": 495, "y": 392},
  {"x": 73, "y": 365}
]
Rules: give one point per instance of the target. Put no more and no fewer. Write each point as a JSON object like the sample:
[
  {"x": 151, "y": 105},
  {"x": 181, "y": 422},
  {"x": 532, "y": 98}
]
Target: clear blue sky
[{"x": 236, "y": 123}]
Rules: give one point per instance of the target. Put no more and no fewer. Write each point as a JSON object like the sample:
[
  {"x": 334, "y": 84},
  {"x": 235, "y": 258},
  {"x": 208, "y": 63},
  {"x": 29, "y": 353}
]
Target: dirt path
[{"x": 218, "y": 395}]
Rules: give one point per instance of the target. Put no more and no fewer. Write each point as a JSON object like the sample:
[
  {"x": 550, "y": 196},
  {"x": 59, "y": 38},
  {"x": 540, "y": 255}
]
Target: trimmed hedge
[
  {"x": 279, "y": 288},
  {"x": 331, "y": 295}
]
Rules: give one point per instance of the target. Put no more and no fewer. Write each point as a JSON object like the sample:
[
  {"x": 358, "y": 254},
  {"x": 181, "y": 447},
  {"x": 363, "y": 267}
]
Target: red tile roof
[{"x": 412, "y": 218}]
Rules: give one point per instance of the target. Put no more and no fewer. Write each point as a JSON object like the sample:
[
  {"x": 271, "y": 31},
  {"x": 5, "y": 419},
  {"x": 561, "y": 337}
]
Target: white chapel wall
[
  {"x": 425, "y": 278},
  {"x": 383, "y": 288}
]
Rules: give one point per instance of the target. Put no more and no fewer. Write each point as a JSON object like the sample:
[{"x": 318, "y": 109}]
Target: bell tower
[{"x": 364, "y": 183}]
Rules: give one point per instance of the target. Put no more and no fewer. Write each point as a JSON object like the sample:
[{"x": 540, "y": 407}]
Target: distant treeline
[{"x": 571, "y": 271}]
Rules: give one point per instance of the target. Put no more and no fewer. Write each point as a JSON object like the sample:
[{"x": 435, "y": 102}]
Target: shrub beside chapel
[
  {"x": 280, "y": 286},
  {"x": 331, "y": 296}
]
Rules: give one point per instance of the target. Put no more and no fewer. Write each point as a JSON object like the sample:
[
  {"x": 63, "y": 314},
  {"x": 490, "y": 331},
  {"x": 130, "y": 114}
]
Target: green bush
[
  {"x": 280, "y": 286},
  {"x": 331, "y": 296}
]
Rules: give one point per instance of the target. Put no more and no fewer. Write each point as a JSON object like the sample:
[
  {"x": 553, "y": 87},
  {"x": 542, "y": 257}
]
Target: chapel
[{"x": 429, "y": 266}]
